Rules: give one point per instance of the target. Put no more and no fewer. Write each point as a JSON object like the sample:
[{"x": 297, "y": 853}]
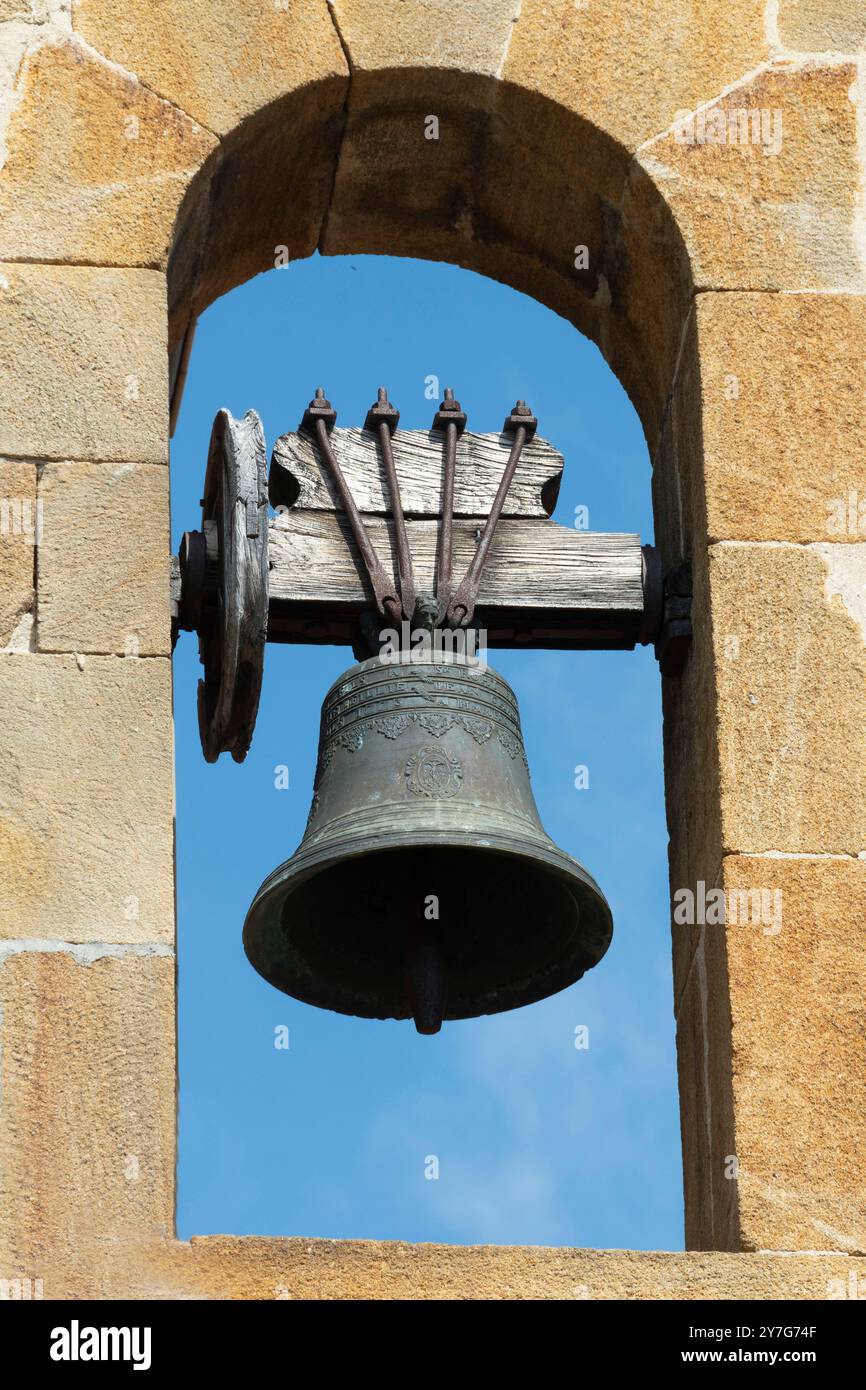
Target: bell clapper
[{"x": 427, "y": 975}]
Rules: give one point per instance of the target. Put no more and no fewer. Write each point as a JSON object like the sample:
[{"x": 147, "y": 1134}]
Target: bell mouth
[{"x": 515, "y": 924}]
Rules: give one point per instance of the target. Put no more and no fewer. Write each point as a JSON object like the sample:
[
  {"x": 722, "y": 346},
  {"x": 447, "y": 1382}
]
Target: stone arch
[
  {"x": 313, "y": 171},
  {"x": 513, "y": 185},
  {"x": 152, "y": 160}
]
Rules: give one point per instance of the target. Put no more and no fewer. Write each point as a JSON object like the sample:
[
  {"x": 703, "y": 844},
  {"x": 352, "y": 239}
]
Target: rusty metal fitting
[
  {"x": 319, "y": 409},
  {"x": 449, "y": 413},
  {"x": 382, "y": 413},
  {"x": 521, "y": 418}
]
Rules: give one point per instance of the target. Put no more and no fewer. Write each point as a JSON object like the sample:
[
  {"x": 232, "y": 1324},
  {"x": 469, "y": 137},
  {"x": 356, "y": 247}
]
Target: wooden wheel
[{"x": 234, "y": 619}]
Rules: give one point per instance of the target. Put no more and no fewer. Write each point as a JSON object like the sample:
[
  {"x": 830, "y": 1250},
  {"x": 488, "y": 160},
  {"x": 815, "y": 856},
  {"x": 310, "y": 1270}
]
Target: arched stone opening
[
  {"x": 448, "y": 166},
  {"x": 523, "y": 190}
]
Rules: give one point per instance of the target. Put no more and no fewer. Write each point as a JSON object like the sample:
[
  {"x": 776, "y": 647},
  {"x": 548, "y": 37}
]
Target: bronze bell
[{"x": 425, "y": 885}]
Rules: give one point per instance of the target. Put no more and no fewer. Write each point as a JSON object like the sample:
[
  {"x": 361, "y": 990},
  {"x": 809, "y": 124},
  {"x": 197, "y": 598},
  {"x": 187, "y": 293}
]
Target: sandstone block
[
  {"x": 96, "y": 164},
  {"x": 250, "y": 1267},
  {"x": 819, "y": 26},
  {"x": 788, "y": 635},
  {"x": 469, "y": 35},
  {"x": 220, "y": 62},
  {"x": 628, "y": 70},
  {"x": 103, "y": 559},
  {"x": 783, "y": 414},
  {"x": 87, "y": 1139},
  {"x": 86, "y": 799},
  {"x": 798, "y": 1020},
  {"x": 765, "y": 186},
  {"x": 83, "y": 370}
]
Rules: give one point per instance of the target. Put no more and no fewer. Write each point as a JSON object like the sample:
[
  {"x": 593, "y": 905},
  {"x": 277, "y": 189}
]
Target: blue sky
[{"x": 537, "y": 1142}]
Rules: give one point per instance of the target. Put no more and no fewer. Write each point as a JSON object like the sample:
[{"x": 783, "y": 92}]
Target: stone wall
[{"x": 710, "y": 158}]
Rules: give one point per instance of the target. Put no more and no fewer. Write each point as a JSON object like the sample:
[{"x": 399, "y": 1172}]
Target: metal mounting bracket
[{"x": 675, "y": 631}]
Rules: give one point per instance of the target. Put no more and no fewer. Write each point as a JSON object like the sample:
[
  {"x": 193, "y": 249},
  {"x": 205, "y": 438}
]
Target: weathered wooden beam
[
  {"x": 531, "y": 563},
  {"x": 297, "y": 478},
  {"x": 543, "y": 584}
]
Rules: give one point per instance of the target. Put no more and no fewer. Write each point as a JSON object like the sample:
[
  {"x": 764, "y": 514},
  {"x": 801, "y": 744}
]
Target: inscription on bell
[{"x": 399, "y": 700}]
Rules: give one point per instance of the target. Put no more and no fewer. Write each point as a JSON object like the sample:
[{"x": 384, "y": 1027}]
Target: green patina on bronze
[{"x": 425, "y": 885}]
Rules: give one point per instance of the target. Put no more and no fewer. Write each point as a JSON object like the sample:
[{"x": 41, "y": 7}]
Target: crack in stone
[
  {"x": 782, "y": 63},
  {"x": 514, "y": 19},
  {"x": 329, "y": 201},
  {"x": 340, "y": 37},
  {"x": 129, "y": 76}
]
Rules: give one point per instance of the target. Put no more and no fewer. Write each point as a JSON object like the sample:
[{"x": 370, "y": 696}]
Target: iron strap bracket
[
  {"x": 382, "y": 418},
  {"x": 457, "y": 609},
  {"x": 450, "y": 419},
  {"x": 521, "y": 424},
  {"x": 321, "y": 417},
  {"x": 675, "y": 631}
]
